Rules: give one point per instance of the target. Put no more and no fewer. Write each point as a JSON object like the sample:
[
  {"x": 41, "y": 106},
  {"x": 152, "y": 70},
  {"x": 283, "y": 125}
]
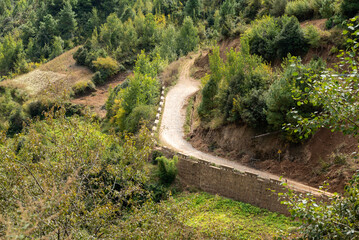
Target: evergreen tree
[
  {"x": 67, "y": 22},
  {"x": 57, "y": 47},
  {"x": 47, "y": 30},
  {"x": 93, "y": 22},
  {"x": 168, "y": 46},
  {"x": 290, "y": 39},
  {"x": 10, "y": 50},
  {"x": 194, "y": 8},
  {"x": 227, "y": 13},
  {"x": 188, "y": 38}
]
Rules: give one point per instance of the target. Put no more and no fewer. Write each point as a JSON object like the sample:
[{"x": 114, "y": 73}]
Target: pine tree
[
  {"x": 188, "y": 37},
  {"x": 47, "y": 30},
  {"x": 67, "y": 22},
  {"x": 57, "y": 47},
  {"x": 93, "y": 22},
  {"x": 193, "y": 9}
]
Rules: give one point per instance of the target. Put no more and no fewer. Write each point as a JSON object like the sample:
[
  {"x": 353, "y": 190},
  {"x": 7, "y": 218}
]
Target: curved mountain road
[{"x": 172, "y": 134}]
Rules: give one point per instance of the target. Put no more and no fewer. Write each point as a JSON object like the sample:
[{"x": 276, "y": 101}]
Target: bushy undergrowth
[
  {"x": 73, "y": 178},
  {"x": 82, "y": 88},
  {"x": 11, "y": 112},
  {"x": 302, "y": 9},
  {"x": 133, "y": 103},
  {"x": 245, "y": 90},
  {"x": 312, "y": 35},
  {"x": 273, "y": 38},
  {"x": 235, "y": 89},
  {"x": 167, "y": 169},
  {"x": 105, "y": 68},
  {"x": 279, "y": 98}
]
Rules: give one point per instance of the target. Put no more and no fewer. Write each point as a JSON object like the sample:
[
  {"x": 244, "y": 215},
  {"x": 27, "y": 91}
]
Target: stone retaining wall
[{"x": 228, "y": 182}]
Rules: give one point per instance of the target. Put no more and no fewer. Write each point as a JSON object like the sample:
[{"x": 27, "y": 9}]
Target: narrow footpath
[{"x": 172, "y": 134}]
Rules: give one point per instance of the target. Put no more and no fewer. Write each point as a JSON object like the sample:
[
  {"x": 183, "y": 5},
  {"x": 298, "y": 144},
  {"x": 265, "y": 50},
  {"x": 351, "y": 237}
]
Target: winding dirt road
[{"x": 172, "y": 134}]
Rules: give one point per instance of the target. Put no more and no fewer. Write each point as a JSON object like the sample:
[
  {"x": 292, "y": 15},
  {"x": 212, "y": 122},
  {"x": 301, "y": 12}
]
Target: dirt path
[
  {"x": 172, "y": 134},
  {"x": 98, "y": 99}
]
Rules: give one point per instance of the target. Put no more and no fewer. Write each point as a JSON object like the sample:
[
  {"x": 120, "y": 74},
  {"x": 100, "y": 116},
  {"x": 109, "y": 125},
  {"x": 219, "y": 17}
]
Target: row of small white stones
[{"x": 159, "y": 112}]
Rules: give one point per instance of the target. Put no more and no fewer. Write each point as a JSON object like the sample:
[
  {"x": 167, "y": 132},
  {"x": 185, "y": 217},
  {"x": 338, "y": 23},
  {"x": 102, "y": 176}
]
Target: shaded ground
[{"x": 97, "y": 100}]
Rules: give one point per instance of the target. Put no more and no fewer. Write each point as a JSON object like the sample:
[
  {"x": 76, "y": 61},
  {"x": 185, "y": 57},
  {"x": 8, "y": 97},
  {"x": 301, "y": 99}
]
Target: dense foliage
[
  {"x": 37, "y": 30},
  {"x": 235, "y": 89},
  {"x": 167, "y": 169},
  {"x": 274, "y": 38},
  {"x": 333, "y": 89},
  {"x": 134, "y": 101},
  {"x": 281, "y": 108},
  {"x": 62, "y": 177},
  {"x": 75, "y": 180},
  {"x": 336, "y": 91}
]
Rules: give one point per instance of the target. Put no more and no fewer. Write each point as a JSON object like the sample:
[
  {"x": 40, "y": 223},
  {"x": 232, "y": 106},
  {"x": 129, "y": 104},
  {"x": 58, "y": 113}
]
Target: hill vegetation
[{"x": 66, "y": 174}]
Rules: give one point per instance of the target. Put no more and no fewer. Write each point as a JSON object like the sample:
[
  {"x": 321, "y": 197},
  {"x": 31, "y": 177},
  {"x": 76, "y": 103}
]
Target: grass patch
[
  {"x": 224, "y": 218},
  {"x": 61, "y": 73},
  {"x": 189, "y": 111}
]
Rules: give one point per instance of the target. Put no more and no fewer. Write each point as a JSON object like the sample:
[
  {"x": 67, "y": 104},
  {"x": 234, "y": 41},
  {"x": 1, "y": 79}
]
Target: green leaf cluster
[
  {"x": 134, "y": 101},
  {"x": 235, "y": 89},
  {"x": 63, "y": 177}
]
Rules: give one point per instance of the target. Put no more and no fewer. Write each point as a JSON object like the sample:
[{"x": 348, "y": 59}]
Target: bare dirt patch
[
  {"x": 97, "y": 100},
  {"x": 318, "y": 23},
  {"x": 326, "y": 156}
]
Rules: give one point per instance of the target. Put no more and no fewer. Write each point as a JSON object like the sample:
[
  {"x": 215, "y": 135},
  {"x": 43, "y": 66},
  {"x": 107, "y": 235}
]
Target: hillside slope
[
  {"x": 58, "y": 74},
  {"x": 326, "y": 156}
]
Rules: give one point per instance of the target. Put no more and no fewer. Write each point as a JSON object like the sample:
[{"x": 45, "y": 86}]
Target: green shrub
[
  {"x": 278, "y": 7},
  {"x": 142, "y": 90},
  {"x": 210, "y": 83},
  {"x": 312, "y": 35},
  {"x": 252, "y": 9},
  {"x": 234, "y": 92},
  {"x": 208, "y": 103},
  {"x": 251, "y": 107},
  {"x": 156, "y": 154},
  {"x": 327, "y": 9},
  {"x": 16, "y": 122},
  {"x": 7, "y": 103},
  {"x": 243, "y": 101},
  {"x": 261, "y": 37},
  {"x": 37, "y": 108},
  {"x": 107, "y": 66},
  {"x": 273, "y": 38},
  {"x": 301, "y": 9},
  {"x": 80, "y": 56},
  {"x": 279, "y": 99},
  {"x": 140, "y": 115},
  {"x": 290, "y": 39},
  {"x": 98, "y": 79},
  {"x": 336, "y": 20},
  {"x": 167, "y": 169},
  {"x": 83, "y": 87},
  {"x": 334, "y": 50},
  {"x": 349, "y": 8}
]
